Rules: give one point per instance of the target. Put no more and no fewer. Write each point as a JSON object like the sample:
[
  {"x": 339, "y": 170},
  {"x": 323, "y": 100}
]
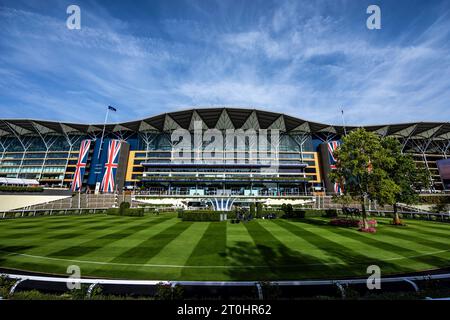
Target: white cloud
[{"x": 302, "y": 62}]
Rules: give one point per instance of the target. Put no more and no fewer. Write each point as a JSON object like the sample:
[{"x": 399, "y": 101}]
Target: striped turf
[{"x": 163, "y": 247}]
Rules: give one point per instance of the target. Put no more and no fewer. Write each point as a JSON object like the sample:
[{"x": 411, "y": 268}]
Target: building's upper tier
[{"x": 222, "y": 118}]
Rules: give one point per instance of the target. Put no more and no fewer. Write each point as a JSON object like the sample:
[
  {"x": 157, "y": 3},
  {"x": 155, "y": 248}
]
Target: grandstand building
[{"x": 139, "y": 154}]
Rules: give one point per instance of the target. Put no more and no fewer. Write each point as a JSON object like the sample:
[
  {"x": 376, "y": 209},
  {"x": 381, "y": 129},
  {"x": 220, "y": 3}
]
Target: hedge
[
  {"x": 307, "y": 213},
  {"x": 204, "y": 215},
  {"x": 438, "y": 199},
  {"x": 264, "y": 213},
  {"x": 20, "y": 189},
  {"x": 130, "y": 212}
]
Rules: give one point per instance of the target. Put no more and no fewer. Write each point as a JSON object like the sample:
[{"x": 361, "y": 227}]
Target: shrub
[
  {"x": 435, "y": 199},
  {"x": 112, "y": 212},
  {"x": 343, "y": 222},
  {"x": 204, "y": 215},
  {"x": 252, "y": 209},
  {"x": 33, "y": 295},
  {"x": 130, "y": 212},
  {"x": 133, "y": 212},
  {"x": 368, "y": 230},
  {"x": 123, "y": 206},
  {"x": 303, "y": 213},
  {"x": 167, "y": 292},
  {"x": 6, "y": 283},
  {"x": 163, "y": 292},
  {"x": 266, "y": 213},
  {"x": 331, "y": 213},
  {"x": 371, "y": 223},
  {"x": 259, "y": 209}
]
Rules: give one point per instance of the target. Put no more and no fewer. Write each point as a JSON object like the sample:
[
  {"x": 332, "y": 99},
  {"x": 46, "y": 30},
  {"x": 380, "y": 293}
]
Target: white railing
[{"x": 411, "y": 280}]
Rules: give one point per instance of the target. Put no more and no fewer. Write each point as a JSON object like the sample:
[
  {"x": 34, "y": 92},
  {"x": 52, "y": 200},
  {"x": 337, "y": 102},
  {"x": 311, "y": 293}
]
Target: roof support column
[
  {"x": 48, "y": 144},
  {"x": 4, "y": 149},
  {"x": 25, "y": 145},
  {"x": 71, "y": 142}
]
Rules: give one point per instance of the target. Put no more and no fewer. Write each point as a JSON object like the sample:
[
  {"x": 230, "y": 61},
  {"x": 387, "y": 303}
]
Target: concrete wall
[{"x": 11, "y": 202}]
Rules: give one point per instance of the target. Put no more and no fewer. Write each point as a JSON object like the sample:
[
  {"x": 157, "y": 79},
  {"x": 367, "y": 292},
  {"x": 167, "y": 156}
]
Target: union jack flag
[
  {"x": 81, "y": 165},
  {"x": 108, "y": 183},
  {"x": 332, "y": 146}
]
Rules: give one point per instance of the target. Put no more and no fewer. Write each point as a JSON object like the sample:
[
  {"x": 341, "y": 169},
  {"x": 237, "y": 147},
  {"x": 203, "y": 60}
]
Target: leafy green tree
[
  {"x": 405, "y": 175},
  {"x": 252, "y": 209},
  {"x": 259, "y": 209},
  {"x": 361, "y": 168}
]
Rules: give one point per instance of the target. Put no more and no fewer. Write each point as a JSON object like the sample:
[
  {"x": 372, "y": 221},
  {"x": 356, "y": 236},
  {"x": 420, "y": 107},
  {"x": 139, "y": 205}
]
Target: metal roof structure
[{"x": 222, "y": 118}]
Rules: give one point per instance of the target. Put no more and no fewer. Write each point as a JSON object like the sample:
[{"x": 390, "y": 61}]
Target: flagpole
[
  {"x": 343, "y": 122},
  {"x": 103, "y": 133}
]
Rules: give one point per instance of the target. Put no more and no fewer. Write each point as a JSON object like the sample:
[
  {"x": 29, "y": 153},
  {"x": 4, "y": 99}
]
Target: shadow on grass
[
  {"x": 402, "y": 234},
  {"x": 210, "y": 249},
  {"x": 262, "y": 262},
  {"x": 390, "y": 246},
  {"x": 355, "y": 261},
  {"x": 270, "y": 259}
]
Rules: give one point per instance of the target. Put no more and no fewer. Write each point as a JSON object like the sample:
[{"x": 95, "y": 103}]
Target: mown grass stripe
[
  {"x": 425, "y": 229},
  {"x": 251, "y": 253},
  {"x": 40, "y": 225},
  {"x": 376, "y": 241},
  {"x": 46, "y": 247},
  {"x": 105, "y": 239},
  {"x": 125, "y": 241},
  {"x": 417, "y": 237},
  {"x": 282, "y": 261},
  {"x": 295, "y": 241},
  {"x": 154, "y": 244},
  {"x": 356, "y": 256},
  {"x": 211, "y": 246},
  {"x": 190, "y": 240}
]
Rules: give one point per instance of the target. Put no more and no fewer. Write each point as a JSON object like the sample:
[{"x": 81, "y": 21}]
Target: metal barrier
[
  {"x": 35, "y": 212},
  {"x": 339, "y": 284}
]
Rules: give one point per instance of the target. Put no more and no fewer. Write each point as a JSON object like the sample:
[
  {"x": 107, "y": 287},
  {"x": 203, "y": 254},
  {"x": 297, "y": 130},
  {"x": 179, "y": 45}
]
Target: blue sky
[{"x": 304, "y": 58}]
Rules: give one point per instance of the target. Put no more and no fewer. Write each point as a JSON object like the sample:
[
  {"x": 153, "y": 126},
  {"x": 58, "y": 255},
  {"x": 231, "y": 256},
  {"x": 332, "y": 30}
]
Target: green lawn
[{"x": 163, "y": 247}]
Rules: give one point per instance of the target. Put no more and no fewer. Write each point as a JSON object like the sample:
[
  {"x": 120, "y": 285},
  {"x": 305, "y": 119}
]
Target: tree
[
  {"x": 405, "y": 175},
  {"x": 287, "y": 209},
  {"x": 259, "y": 209},
  {"x": 252, "y": 209},
  {"x": 361, "y": 168}
]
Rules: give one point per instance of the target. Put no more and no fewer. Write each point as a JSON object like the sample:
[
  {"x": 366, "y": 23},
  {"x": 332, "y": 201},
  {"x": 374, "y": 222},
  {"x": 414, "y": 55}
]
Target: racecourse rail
[{"x": 400, "y": 283}]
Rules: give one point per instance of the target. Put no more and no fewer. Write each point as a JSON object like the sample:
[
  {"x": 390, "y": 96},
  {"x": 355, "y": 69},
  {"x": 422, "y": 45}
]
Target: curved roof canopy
[{"x": 222, "y": 118}]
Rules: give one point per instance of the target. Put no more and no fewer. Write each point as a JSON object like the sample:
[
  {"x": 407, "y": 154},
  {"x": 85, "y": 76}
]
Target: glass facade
[{"x": 48, "y": 151}]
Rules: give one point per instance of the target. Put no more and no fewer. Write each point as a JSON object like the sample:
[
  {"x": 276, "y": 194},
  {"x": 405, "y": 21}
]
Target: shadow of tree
[
  {"x": 355, "y": 261},
  {"x": 389, "y": 246},
  {"x": 261, "y": 262},
  {"x": 270, "y": 259}
]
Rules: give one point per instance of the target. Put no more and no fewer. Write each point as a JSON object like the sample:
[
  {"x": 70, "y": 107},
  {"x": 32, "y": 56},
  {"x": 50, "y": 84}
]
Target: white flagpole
[
  {"x": 103, "y": 133},
  {"x": 343, "y": 122}
]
